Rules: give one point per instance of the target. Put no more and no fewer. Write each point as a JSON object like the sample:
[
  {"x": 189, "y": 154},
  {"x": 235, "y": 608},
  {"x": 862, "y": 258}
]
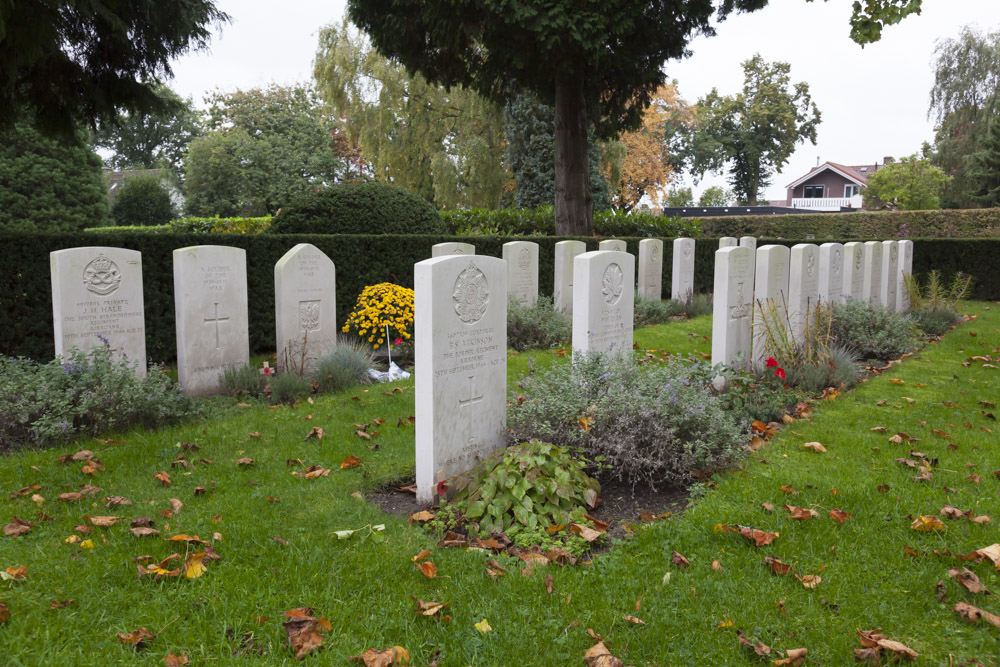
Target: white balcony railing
[{"x": 827, "y": 203}]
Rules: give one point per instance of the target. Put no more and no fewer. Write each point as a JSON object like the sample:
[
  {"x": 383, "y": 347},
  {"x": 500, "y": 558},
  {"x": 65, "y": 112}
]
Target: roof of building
[{"x": 858, "y": 173}]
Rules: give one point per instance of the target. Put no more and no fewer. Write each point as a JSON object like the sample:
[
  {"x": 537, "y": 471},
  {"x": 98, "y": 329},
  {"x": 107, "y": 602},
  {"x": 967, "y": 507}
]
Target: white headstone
[
  {"x": 873, "y": 272},
  {"x": 905, "y": 269},
  {"x": 831, "y": 272},
  {"x": 732, "y": 307},
  {"x": 889, "y": 282},
  {"x": 616, "y": 245},
  {"x": 771, "y": 284},
  {"x": 522, "y": 271},
  {"x": 460, "y": 326},
  {"x": 305, "y": 307},
  {"x": 682, "y": 270},
  {"x": 97, "y": 298},
  {"x": 803, "y": 288},
  {"x": 210, "y": 307},
  {"x": 750, "y": 242},
  {"x": 603, "y": 302},
  {"x": 562, "y": 293},
  {"x": 651, "y": 268},
  {"x": 854, "y": 270},
  {"x": 728, "y": 242},
  {"x": 452, "y": 248}
]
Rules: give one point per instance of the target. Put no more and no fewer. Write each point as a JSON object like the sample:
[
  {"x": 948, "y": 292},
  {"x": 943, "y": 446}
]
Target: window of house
[
  {"x": 812, "y": 191},
  {"x": 851, "y": 190}
]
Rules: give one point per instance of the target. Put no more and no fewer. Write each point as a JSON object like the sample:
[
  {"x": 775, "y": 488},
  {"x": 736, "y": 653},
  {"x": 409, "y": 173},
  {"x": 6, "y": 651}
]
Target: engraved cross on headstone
[
  {"x": 473, "y": 399},
  {"x": 216, "y": 321}
]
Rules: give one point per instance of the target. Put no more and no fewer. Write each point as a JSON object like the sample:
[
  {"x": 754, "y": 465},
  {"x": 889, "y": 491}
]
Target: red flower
[
  {"x": 398, "y": 341},
  {"x": 771, "y": 362},
  {"x": 779, "y": 373},
  {"x": 441, "y": 488}
]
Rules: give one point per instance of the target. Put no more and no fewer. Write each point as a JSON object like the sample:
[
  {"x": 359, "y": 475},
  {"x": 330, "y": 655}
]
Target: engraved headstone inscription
[
  {"x": 613, "y": 244},
  {"x": 522, "y": 271},
  {"x": 889, "y": 282},
  {"x": 562, "y": 292},
  {"x": 770, "y": 295},
  {"x": 854, "y": 270},
  {"x": 210, "y": 307},
  {"x": 682, "y": 270},
  {"x": 651, "y": 268},
  {"x": 460, "y": 326},
  {"x": 305, "y": 307},
  {"x": 603, "y": 302},
  {"x": 732, "y": 307},
  {"x": 831, "y": 272},
  {"x": 97, "y": 300},
  {"x": 803, "y": 288}
]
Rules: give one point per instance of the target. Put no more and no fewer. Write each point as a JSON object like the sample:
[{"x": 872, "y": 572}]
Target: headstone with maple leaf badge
[
  {"x": 732, "y": 307},
  {"x": 452, "y": 248},
  {"x": 522, "y": 271},
  {"x": 854, "y": 270},
  {"x": 603, "y": 302},
  {"x": 770, "y": 294},
  {"x": 562, "y": 293},
  {"x": 210, "y": 309},
  {"x": 682, "y": 270},
  {"x": 888, "y": 284},
  {"x": 803, "y": 288},
  {"x": 831, "y": 273},
  {"x": 305, "y": 307},
  {"x": 905, "y": 269},
  {"x": 651, "y": 268},
  {"x": 460, "y": 329},
  {"x": 97, "y": 300},
  {"x": 872, "y": 290}
]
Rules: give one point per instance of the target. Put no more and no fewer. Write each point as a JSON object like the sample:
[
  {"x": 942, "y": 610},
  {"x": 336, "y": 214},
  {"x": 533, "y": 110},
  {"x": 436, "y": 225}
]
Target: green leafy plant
[
  {"x": 217, "y": 225},
  {"x": 696, "y": 305},
  {"x": 525, "y": 487},
  {"x": 83, "y": 393},
  {"x": 246, "y": 380},
  {"x": 654, "y": 311},
  {"x": 536, "y": 326},
  {"x": 934, "y": 322},
  {"x": 345, "y": 365},
  {"x": 143, "y": 200},
  {"x": 651, "y": 422},
  {"x": 872, "y": 331},
  {"x": 288, "y": 387},
  {"x": 935, "y": 295}
]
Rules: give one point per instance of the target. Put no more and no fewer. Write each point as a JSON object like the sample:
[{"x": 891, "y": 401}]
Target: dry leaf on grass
[
  {"x": 427, "y": 568},
  {"x": 176, "y": 660},
  {"x": 4, "y": 613},
  {"x": 163, "y": 477},
  {"x": 422, "y": 516},
  {"x": 799, "y": 513},
  {"x": 303, "y": 630},
  {"x": 776, "y": 566},
  {"x": 315, "y": 432},
  {"x": 397, "y": 655},
  {"x": 351, "y": 461},
  {"x": 680, "y": 561},
  {"x": 968, "y": 580},
  {"x": 793, "y": 657},
  {"x": 17, "y": 527},
  {"x": 927, "y": 523},
  {"x": 495, "y": 569},
  {"x": 422, "y": 554},
  {"x": 815, "y": 446},
  {"x": 599, "y": 656},
  {"x": 759, "y": 648},
  {"x": 429, "y": 608},
  {"x": 974, "y": 614},
  {"x": 137, "y": 638}
]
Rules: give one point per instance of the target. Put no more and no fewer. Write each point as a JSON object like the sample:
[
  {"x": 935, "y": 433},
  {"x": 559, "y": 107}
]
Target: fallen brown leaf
[
  {"x": 973, "y": 614},
  {"x": 427, "y": 568},
  {"x": 761, "y": 649},
  {"x": 967, "y": 580},
  {"x": 429, "y": 608},
  {"x": 799, "y": 513},
  {"x": 599, "y": 656},
  {"x": 927, "y": 523},
  {"x": 315, "y": 432},
  {"x": 397, "y": 655},
  {"x": 351, "y": 461},
  {"x": 495, "y": 569},
  {"x": 680, "y": 561},
  {"x": 163, "y": 477},
  {"x": 815, "y": 446},
  {"x": 137, "y": 638},
  {"x": 793, "y": 657}
]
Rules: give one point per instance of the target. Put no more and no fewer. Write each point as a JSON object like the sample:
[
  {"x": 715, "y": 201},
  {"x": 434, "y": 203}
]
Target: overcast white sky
[{"x": 873, "y": 100}]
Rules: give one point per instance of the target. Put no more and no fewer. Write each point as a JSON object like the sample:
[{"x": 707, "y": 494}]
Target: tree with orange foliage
[{"x": 638, "y": 164}]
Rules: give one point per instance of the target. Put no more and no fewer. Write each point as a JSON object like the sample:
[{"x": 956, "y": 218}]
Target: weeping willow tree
[{"x": 446, "y": 145}]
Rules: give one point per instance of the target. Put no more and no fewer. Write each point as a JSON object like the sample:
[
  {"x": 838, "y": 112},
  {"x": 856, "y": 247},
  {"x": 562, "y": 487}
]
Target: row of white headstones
[
  {"x": 460, "y": 315},
  {"x": 795, "y": 280}
]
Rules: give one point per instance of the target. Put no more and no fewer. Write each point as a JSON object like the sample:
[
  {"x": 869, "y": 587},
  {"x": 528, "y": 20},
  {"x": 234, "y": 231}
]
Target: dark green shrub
[
  {"x": 82, "y": 394},
  {"x": 246, "y": 380},
  {"x": 935, "y": 322},
  {"x": 651, "y": 423},
  {"x": 143, "y": 200},
  {"x": 358, "y": 208},
  {"x": 345, "y": 365},
  {"x": 288, "y": 387},
  {"x": 541, "y": 221},
  {"x": 523, "y": 488},
  {"x": 654, "y": 311},
  {"x": 871, "y": 331},
  {"x": 697, "y": 305},
  {"x": 839, "y": 370},
  {"x": 536, "y": 327}
]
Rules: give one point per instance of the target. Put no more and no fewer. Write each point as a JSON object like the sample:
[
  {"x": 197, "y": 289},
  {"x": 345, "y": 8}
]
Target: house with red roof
[{"x": 831, "y": 186}]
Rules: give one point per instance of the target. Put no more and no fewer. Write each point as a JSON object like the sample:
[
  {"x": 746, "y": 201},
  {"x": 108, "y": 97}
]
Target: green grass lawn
[{"x": 364, "y": 587}]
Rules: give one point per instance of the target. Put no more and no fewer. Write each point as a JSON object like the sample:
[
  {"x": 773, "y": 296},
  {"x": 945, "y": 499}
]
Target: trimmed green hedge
[
  {"x": 948, "y": 223},
  {"x": 361, "y": 260},
  {"x": 542, "y": 222}
]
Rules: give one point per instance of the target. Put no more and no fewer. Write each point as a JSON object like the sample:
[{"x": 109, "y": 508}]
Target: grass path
[{"x": 364, "y": 587}]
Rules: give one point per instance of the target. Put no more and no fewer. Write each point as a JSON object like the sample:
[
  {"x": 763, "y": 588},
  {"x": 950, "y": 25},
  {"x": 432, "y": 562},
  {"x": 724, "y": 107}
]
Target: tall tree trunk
[{"x": 574, "y": 203}]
